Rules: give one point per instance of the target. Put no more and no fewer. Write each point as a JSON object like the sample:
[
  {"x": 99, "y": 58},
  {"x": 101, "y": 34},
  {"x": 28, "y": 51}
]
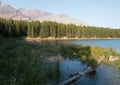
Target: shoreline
[{"x": 49, "y": 38}]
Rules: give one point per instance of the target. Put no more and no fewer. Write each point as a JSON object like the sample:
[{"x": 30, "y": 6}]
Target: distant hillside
[{"x": 8, "y": 11}]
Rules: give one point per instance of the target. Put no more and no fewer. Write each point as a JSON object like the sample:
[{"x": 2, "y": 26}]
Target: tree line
[{"x": 33, "y": 29}]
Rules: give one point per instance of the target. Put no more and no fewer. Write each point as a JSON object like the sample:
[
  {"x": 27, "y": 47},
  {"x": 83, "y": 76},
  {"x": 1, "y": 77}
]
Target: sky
[{"x": 102, "y": 13}]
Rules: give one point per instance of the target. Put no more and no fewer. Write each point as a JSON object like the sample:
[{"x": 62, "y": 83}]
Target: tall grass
[
  {"x": 87, "y": 54},
  {"x": 98, "y": 53},
  {"x": 21, "y": 64}
]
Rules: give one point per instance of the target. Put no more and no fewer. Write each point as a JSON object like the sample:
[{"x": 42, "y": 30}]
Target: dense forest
[{"x": 13, "y": 28}]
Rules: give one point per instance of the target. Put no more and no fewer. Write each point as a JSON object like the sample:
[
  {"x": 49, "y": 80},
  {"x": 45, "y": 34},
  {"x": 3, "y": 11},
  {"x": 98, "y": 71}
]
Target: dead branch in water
[{"x": 75, "y": 76}]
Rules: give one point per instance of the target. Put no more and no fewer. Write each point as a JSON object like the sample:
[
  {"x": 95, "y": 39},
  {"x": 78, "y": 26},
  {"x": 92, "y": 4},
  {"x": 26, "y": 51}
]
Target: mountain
[{"x": 8, "y": 11}]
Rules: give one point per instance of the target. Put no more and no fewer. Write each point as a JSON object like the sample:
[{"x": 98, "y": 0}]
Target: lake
[
  {"x": 105, "y": 75},
  {"x": 115, "y": 44}
]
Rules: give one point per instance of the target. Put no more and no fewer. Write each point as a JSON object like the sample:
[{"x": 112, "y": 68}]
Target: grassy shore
[
  {"x": 22, "y": 62},
  {"x": 96, "y": 52},
  {"x": 90, "y": 55},
  {"x": 116, "y": 63}
]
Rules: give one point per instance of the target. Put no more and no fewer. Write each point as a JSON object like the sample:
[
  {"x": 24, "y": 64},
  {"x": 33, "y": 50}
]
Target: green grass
[
  {"x": 87, "y": 54},
  {"x": 21, "y": 64},
  {"x": 98, "y": 53}
]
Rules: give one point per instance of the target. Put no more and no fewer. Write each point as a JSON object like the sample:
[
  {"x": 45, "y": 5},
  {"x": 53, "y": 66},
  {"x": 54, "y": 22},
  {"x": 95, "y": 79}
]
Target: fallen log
[{"x": 75, "y": 76}]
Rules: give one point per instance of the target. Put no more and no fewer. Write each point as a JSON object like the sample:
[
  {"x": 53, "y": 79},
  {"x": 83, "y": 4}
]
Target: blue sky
[{"x": 103, "y": 13}]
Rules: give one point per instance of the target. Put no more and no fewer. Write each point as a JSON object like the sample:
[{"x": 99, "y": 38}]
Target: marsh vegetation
[{"x": 25, "y": 63}]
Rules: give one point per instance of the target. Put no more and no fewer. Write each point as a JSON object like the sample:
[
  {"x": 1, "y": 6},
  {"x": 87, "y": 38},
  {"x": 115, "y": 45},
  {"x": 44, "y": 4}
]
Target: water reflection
[
  {"x": 115, "y": 44},
  {"x": 105, "y": 75}
]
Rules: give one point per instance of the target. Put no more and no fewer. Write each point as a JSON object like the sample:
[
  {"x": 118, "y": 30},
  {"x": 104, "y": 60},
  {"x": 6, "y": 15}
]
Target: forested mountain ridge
[
  {"x": 46, "y": 29},
  {"x": 8, "y": 11}
]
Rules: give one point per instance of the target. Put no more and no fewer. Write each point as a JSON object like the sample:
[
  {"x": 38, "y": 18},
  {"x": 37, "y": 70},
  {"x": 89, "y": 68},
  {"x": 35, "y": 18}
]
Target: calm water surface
[
  {"x": 105, "y": 75},
  {"x": 103, "y": 43},
  {"x": 115, "y": 44}
]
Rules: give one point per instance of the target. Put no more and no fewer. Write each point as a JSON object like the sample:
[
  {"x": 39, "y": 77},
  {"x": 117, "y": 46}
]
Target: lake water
[
  {"x": 105, "y": 75},
  {"x": 115, "y": 44}
]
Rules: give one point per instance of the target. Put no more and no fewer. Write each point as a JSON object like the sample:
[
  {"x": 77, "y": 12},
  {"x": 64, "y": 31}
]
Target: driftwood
[{"x": 75, "y": 76}]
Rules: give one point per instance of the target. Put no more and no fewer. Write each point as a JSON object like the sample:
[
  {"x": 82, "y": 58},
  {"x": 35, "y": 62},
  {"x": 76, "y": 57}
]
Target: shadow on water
[{"x": 32, "y": 63}]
